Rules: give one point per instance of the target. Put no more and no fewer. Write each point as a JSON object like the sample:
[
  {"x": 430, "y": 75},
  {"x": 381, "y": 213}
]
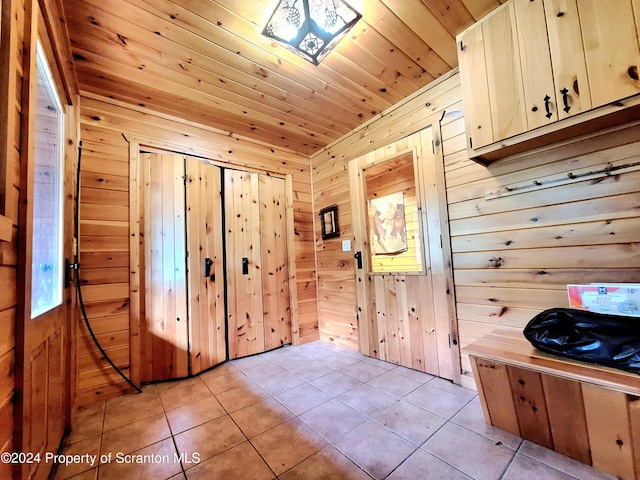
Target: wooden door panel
[
  {"x": 609, "y": 427},
  {"x": 207, "y": 331},
  {"x": 275, "y": 271},
  {"x": 38, "y": 401},
  {"x": 504, "y": 75},
  {"x": 535, "y": 59},
  {"x": 164, "y": 325},
  {"x": 427, "y": 324},
  {"x": 415, "y": 289},
  {"x": 475, "y": 89},
  {"x": 258, "y": 301},
  {"x": 244, "y": 299},
  {"x": 611, "y": 49},
  {"x": 567, "y": 57},
  {"x": 567, "y": 419}
]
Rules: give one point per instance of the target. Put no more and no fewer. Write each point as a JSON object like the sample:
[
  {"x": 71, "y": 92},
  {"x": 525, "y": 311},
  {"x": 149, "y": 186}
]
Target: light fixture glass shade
[{"x": 311, "y": 28}]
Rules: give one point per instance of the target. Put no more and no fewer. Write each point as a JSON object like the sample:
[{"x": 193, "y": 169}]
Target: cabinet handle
[
  {"x": 547, "y": 106},
  {"x": 565, "y": 99}
]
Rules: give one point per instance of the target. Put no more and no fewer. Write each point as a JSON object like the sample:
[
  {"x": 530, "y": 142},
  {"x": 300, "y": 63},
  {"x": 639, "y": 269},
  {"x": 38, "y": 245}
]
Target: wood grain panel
[
  {"x": 207, "y": 330},
  {"x": 567, "y": 54},
  {"x": 608, "y": 425},
  {"x": 531, "y": 409},
  {"x": 567, "y": 420},
  {"x": 611, "y": 49},
  {"x": 496, "y": 387},
  {"x": 479, "y": 131},
  {"x": 164, "y": 326},
  {"x": 275, "y": 263},
  {"x": 539, "y": 89},
  {"x": 503, "y": 73},
  {"x": 244, "y": 266}
]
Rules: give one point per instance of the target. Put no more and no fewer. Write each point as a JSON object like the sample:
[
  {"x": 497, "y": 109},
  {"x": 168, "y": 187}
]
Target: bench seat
[{"x": 584, "y": 411}]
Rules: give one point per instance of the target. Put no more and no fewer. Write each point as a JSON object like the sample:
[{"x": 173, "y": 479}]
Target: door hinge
[
  {"x": 470, "y": 142},
  {"x": 433, "y": 147},
  {"x": 449, "y": 337}
]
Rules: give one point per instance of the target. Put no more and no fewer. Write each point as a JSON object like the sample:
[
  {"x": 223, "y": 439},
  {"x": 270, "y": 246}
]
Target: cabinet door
[
  {"x": 475, "y": 91},
  {"x": 504, "y": 75},
  {"x": 535, "y": 59},
  {"x": 611, "y": 49},
  {"x": 567, "y": 57}
]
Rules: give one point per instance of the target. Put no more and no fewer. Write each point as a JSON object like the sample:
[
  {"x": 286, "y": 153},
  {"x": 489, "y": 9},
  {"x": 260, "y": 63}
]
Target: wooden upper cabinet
[
  {"x": 611, "y": 50},
  {"x": 532, "y": 63}
]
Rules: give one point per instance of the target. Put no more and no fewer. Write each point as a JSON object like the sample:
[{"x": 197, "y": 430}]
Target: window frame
[{"x": 43, "y": 67}]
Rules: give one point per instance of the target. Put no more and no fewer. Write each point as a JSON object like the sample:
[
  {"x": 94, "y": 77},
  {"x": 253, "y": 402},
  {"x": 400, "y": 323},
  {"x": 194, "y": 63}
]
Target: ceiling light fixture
[{"x": 311, "y": 28}]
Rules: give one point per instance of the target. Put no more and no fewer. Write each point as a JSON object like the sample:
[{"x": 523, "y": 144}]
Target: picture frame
[{"x": 329, "y": 222}]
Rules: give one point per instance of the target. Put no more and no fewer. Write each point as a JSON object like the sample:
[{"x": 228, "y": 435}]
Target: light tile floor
[{"x": 316, "y": 411}]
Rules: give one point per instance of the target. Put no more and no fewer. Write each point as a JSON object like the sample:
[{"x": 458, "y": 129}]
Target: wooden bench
[{"x": 586, "y": 412}]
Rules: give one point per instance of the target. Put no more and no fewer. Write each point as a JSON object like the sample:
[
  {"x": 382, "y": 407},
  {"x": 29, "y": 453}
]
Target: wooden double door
[{"x": 215, "y": 266}]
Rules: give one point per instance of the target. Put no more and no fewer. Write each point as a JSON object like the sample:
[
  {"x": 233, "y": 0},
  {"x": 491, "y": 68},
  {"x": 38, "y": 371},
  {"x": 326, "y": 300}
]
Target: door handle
[
  {"x": 245, "y": 266},
  {"x": 208, "y": 263},
  {"x": 358, "y": 257}
]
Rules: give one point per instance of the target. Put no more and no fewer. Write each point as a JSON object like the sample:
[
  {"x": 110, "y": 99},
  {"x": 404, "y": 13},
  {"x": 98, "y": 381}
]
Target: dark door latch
[
  {"x": 208, "y": 263},
  {"x": 358, "y": 257},
  {"x": 245, "y": 266}
]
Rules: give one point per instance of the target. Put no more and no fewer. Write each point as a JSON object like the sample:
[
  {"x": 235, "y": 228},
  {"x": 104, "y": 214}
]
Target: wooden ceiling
[{"x": 206, "y": 61}]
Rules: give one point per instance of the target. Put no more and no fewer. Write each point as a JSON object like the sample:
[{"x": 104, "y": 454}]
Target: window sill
[{"x": 6, "y": 229}]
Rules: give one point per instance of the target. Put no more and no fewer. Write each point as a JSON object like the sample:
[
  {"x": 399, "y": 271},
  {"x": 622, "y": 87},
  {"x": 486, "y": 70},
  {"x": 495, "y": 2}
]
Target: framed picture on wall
[{"x": 329, "y": 222}]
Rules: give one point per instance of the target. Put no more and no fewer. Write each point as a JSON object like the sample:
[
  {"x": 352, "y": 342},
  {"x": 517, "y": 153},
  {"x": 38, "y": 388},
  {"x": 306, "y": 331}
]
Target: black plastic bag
[{"x": 609, "y": 340}]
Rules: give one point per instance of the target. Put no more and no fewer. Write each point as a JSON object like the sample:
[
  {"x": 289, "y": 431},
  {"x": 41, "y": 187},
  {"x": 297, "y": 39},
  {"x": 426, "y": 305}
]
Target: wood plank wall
[
  {"x": 522, "y": 229},
  {"x": 104, "y": 214},
  {"x": 11, "y": 81},
  {"x": 513, "y": 254}
]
